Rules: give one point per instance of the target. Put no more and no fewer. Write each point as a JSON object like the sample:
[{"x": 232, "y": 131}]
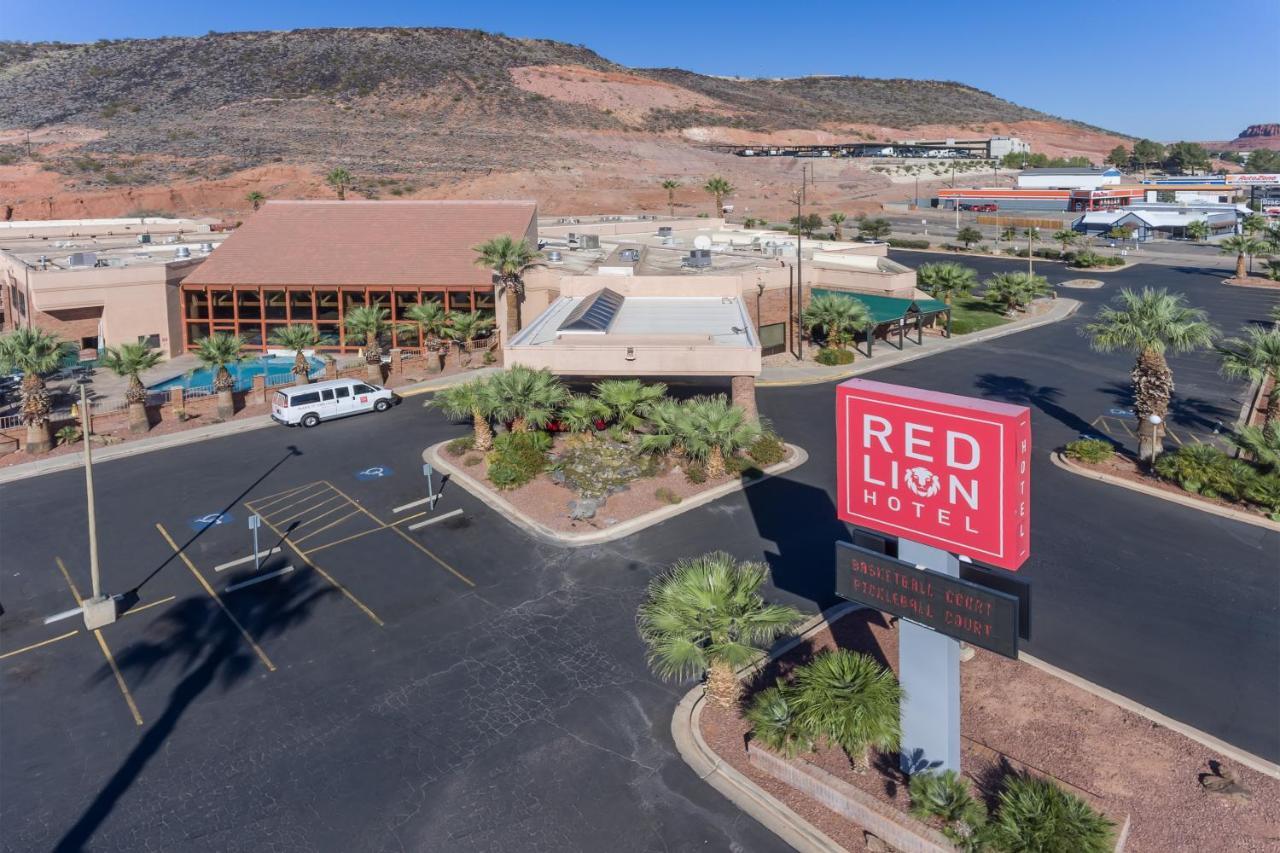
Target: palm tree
[
  {"x": 339, "y": 179},
  {"x": 1242, "y": 246},
  {"x": 968, "y": 235},
  {"x": 128, "y": 361},
  {"x": 526, "y": 397},
  {"x": 1008, "y": 233},
  {"x": 217, "y": 352},
  {"x": 1260, "y": 442},
  {"x": 667, "y": 424},
  {"x": 671, "y": 186},
  {"x": 581, "y": 413},
  {"x": 33, "y": 352},
  {"x": 1150, "y": 323},
  {"x": 715, "y": 430},
  {"x": 946, "y": 281},
  {"x": 463, "y": 328},
  {"x": 852, "y": 701},
  {"x": 1253, "y": 223},
  {"x": 473, "y": 400},
  {"x": 773, "y": 722},
  {"x": 432, "y": 321},
  {"x": 371, "y": 323},
  {"x": 837, "y": 222},
  {"x": 298, "y": 337},
  {"x": 509, "y": 259},
  {"x": 705, "y": 615},
  {"x": 256, "y": 199},
  {"x": 839, "y": 317},
  {"x": 1014, "y": 291},
  {"x": 1066, "y": 237},
  {"x": 719, "y": 188},
  {"x": 628, "y": 401},
  {"x": 1256, "y": 356},
  {"x": 1198, "y": 230}
]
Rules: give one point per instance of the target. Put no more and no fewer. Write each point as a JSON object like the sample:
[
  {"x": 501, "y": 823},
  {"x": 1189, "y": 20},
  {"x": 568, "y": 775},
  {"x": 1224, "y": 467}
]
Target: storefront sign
[
  {"x": 947, "y": 471},
  {"x": 1254, "y": 179},
  {"x": 950, "y": 606}
]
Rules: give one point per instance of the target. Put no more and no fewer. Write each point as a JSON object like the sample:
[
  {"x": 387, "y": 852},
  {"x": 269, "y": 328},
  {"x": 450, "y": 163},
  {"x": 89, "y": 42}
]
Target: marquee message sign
[
  {"x": 947, "y": 471},
  {"x": 960, "y": 609}
]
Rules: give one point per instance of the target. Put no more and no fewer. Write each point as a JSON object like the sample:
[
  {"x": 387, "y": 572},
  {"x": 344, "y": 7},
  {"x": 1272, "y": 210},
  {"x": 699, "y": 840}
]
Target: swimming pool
[{"x": 276, "y": 367}]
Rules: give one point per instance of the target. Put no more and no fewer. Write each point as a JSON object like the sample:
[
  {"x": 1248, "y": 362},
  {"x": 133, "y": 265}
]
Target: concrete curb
[
  {"x": 1063, "y": 308},
  {"x": 618, "y": 531},
  {"x": 1235, "y": 282},
  {"x": 938, "y": 250},
  {"x": 1194, "y": 503}
]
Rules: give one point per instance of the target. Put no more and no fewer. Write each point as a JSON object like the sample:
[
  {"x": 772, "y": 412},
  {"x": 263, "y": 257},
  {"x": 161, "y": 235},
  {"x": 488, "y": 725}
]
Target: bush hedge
[
  {"x": 1090, "y": 450},
  {"x": 830, "y": 356},
  {"x": 767, "y": 450},
  {"x": 907, "y": 243},
  {"x": 518, "y": 457},
  {"x": 459, "y": 446}
]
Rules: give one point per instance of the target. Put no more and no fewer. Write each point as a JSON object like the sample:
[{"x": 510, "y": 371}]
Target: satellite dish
[{"x": 702, "y": 241}]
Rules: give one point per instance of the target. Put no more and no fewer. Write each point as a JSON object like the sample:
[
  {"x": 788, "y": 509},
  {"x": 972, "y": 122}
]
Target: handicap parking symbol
[
  {"x": 213, "y": 519},
  {"x": 377, "y": 472}
]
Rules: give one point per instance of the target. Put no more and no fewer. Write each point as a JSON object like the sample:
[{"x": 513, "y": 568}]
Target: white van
[{"x": 321, "y": 401}]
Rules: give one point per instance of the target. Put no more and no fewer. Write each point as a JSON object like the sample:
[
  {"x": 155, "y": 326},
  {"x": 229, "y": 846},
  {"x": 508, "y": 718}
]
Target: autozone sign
[{"x": 947, "y": 471}]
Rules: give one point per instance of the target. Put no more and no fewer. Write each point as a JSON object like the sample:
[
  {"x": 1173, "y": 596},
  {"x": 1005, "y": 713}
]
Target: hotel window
[
  {"x": 252, "y": 334},
  {"x": 460, "y": 300},
  {"x": 327, "y": 305},
  {"x": 197, "y": 331},
  {"x": 405, "y": 299},
  {"x": 222, "y": 306},
  {"x": 250, "y": 305},
  {"x": 275, "y": 305},
  {"x": 352, "y": 299},
  {"x": 329, "y": 335},
  {"x": 300, "y": 306},
  {"x": 486, "y": 303},
  {"x": 197, "y": 305}
]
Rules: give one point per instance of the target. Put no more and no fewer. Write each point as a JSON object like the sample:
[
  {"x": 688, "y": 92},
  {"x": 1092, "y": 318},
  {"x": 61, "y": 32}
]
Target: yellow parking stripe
[
  {"x": 266, "y": 661},
  {"x": 40, "y": 644},
  {"x": 327, "y": 526},
  {"x": 364, "y": 533},
  {"x": 304, "y": 511},
  {"x": 314, "y": 519},
  {"x": 268, "y": 500}
]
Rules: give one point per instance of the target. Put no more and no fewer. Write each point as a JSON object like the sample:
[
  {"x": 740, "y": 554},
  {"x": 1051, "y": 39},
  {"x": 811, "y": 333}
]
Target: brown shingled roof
[{"x": 364, "y": 242}]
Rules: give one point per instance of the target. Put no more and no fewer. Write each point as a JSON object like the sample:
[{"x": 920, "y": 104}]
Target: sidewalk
[
  {"x": 71, "y": 461},
  {"x": 805, "y": 373}
]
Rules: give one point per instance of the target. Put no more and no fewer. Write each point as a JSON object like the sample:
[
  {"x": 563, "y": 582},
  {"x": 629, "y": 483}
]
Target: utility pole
[
  {"x": 98, "y": 610},
  {"x": 1030, "y": 234},
  {"x": 799, "y": 273}
]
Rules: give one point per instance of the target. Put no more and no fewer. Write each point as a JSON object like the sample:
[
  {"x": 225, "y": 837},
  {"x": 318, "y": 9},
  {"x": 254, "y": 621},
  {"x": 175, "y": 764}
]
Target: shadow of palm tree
[
  {"x": 1185, "y": 411},
  {"x": 1015, "y": 389},
  {"x": 197, "y": 639}
]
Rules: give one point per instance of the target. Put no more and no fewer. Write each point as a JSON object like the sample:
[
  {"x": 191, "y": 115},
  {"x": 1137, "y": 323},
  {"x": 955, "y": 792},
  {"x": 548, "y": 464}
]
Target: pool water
[{"x": 276, "y": 367}]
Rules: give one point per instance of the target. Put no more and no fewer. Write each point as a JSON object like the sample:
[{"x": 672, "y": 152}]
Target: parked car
[{"x": 308, "y": 405}]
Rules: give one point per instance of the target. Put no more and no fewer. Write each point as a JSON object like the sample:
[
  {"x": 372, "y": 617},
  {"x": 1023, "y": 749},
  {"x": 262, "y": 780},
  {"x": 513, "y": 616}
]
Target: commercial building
[
  {"x": 101, "y": 282},
  {"x": 1151, "y": 220},
  {"x": 1068, "y": 178},
  {"x": 1040, "y": 199},
  {"x": 313, "y": 261}
]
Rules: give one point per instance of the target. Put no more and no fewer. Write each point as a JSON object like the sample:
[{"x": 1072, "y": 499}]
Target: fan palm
[
  {"x": 1253, "y": 223},
  {"x": 1242, "y": 246},
  {"x": 509, "y": 259},
  {"x": 1198, "y": 230},
  {"x": 850, "y": 700},
  {"x": 1149, "y": 323},
  {"x": 298, "y": 337},
  {"x": 1260, "y": 442},
  {"x": 33, "y": 352},
  {"x": 371, "y": 323},
  {"x": 463, "y": 328},
  {"x": 1256, "y": 356},
  {"x": 218, "y": 352},
  {"x": 837, "y": 224},
  {"x": 839, "y": 317},
  {"x": 581, "y": 413},
  {"x": 339, "y": 179},
  {"x": 773, "y": 723},
  {"x": 431, "y": 320},
  {"x": 667, "y": 425},
  {"x": 946, "y": 281},
  {"x": 129, "y": 361},
  {"x": 1066, "y": 237},
  {"x": 1036, "y": 815},
  {"x": 256, "y": 199},
  {"x": 719, "y": 188},
  {"x": 713, "y": 430},
  {"x": 705, "y": 615},
  {"x": 1014, "y": 291},
  {"x": 472, "y": 400},
  {"x": 526, "y": 397},
  {"x": 671, "y": 186},
  {"x": 629, "y": 400}
]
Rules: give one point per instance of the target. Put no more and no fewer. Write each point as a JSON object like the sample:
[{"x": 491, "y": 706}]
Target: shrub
[
  {"x": 831, "y": 357},
  {"x": 667, "y": 496},
  {"x": 767, "y": 450},
  {"x": 1265, "y": 492},
  {"x": 472, "y": 460},
  {"x": 774, "y": 724},
  {"x": 696, "y": 473},
  {"x": 459, "y": 446},
  {"x": 67, "y": 435},
  {"x": 1035, "y": 814},
  {"x": 907, "y": 243},
  {"x": 517, "y": 458},
  {"x": 1205, "y": 470},
  {"x": 1090, "y": 450},
  {"x": 1088, "y": 258},
  {"x": 946, "y": 796}
]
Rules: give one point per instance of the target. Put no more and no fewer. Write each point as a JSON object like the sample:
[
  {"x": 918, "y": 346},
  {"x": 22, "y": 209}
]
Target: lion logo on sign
[{"x": 921, "y": 481}]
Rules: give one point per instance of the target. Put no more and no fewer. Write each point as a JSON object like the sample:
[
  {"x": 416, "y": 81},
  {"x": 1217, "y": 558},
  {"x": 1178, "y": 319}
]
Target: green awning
[{"x": 887, "y": 309}]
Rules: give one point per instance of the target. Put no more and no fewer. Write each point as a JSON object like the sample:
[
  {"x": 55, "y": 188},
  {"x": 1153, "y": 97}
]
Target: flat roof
[
  {"x": 715, "y": 320},
  {"x": 115, "y": 251}
]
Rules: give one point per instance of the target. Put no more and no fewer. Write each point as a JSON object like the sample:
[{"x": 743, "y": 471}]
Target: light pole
[
  {"x": 1030, "y": 236},
  {"x": 1154, "y": 422},
  {"x": 98, "y": 610},
  {"x": 799, "y": 272}
]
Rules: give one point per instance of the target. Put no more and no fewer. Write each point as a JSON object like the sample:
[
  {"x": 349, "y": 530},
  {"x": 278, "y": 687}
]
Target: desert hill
[{"x": 192, "y": 125}]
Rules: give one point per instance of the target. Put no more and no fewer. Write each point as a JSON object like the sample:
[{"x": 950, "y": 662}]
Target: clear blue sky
[{"x": 1169, "y": 70}]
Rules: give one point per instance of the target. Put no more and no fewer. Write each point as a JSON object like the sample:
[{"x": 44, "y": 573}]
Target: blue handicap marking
[
  {"x": 1084, "y": 436},
  {"x": 377, "y": 472},
  {"x": 213, "y": 519},
  {"x": 1122, "y": 413}
]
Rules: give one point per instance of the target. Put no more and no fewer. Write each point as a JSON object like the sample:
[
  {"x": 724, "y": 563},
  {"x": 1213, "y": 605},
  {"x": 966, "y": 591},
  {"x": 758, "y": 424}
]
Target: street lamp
[
  {"x": 1154, "y": 421},
  {"x": 100, "y": 609}
]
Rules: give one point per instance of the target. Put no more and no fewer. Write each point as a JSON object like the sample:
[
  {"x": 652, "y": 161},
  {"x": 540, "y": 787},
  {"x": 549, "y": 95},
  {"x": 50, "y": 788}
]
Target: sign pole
[
  {"x": 929, "y": 671},
  {"x": 254, "y": 522}
]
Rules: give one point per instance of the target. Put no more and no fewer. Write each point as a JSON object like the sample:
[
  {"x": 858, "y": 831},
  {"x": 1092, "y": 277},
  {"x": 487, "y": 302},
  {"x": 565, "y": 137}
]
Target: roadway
[{"x": 461, "y": 686}]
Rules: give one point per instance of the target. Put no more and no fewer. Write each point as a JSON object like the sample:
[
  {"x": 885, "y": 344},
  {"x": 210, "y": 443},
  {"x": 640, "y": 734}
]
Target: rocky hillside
[{"x": 408, "y": 110}]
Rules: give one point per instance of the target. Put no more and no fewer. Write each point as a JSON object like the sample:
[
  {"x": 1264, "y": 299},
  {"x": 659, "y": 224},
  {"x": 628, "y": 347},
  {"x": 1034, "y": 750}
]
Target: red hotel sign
[{"x": 943, "y": 470}]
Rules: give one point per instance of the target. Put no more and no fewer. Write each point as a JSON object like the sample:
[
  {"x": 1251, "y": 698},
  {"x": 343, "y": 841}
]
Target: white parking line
[
  {"x": 412, "y": 505},
  {"x": 434, "y": 520},
  {"x": 247, "y": 559},
  {"x": 259, "y": 579}
]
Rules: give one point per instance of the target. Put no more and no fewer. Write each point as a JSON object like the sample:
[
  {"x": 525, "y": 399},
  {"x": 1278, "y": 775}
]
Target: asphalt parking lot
[{"x": 462, "y": 686}]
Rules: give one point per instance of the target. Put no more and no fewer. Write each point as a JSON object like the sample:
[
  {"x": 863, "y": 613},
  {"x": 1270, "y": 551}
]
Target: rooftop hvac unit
[
  {"x": 144, "y": 238},
  {"x": 664, "y": 231},
  {"x": 698, "y": 258},
  {"x": 116, "y": 262},
  {"x": 82, "y": 259},
  {"x": 206, "y": 247},
  {"x": 630, "y": 255},
  {"x": 589, "y": 241},
  {"x": 182, "y": 252},
  {"x": 668, "y": 240},
  {"x": 553, "y": 257}
]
